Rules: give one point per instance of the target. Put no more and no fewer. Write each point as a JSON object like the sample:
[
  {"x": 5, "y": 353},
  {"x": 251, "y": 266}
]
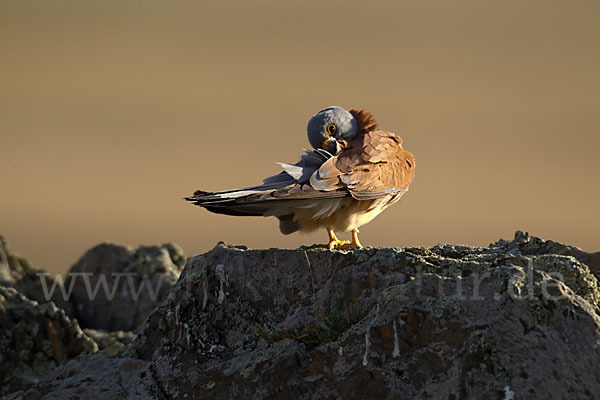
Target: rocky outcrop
[
  {"x": 448, "y": 322},
  {"x": 97, "y": 376},
  {"x": 38, "y": 313},
  {"x": 526, "y": 245},
  {"x": 34, "y": 340},
  {"x": 12, "y": 266},
  {"x": 18, "y": 272},
  {"x": 116, "y": 287},
  {"x": 110, "y": 342},
  {"x": 110, "y": 288}
]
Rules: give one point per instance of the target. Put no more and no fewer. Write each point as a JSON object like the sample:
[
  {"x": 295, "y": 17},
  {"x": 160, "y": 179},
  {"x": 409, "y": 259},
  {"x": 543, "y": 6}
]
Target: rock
[
  {"x": 116, "y": 287},
  {"x": 531, "y": 245},
  {"x": 34, "y": 340},
  {"x": 96, "y": 377},
  {"x": 110, "y": 342},
  {"x": 37, "y": 334},
  {"x": 110, "y": 288},
  {"x": 12, "y": 266},
  {"x": 18, "y": 272},
  {"x": 37, "y": 285},
  {"x": 444, "y": 322}
]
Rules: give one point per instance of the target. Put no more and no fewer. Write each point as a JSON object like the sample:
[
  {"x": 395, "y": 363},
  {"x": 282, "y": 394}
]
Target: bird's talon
[
  {"x": 338, "y": 244},
  {"x": 350, "y": 245}
]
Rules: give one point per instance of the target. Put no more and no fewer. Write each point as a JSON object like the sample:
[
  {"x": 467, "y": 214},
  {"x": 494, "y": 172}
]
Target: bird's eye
[{"x": 331, "y": 129}]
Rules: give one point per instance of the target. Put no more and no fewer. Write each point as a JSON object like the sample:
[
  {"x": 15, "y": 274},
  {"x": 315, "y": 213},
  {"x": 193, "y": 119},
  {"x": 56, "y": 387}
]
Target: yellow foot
[
  {"x": 351, "y": 245},
  {"x": 355, "y": 244},
  {"x": 338, "y": 244},
  {"x": 335, "y": 243}
]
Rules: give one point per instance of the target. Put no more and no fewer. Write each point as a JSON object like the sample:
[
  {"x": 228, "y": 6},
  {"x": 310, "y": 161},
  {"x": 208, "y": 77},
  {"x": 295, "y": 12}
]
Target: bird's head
[{"x": 331, "y": 127}]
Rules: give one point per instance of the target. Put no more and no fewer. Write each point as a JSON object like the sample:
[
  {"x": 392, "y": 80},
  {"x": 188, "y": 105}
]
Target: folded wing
[
  {"x": 276, "y": 196},
  {"x": 375, "y": 165}
]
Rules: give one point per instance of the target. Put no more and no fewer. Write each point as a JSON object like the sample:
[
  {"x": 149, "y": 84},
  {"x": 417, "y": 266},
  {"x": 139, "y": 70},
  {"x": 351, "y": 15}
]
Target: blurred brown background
[{"x": 112, "y": 111}]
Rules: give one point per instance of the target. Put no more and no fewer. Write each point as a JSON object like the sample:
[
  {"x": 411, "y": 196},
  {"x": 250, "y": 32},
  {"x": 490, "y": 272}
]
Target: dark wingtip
[{"x": 196, "y": 196}]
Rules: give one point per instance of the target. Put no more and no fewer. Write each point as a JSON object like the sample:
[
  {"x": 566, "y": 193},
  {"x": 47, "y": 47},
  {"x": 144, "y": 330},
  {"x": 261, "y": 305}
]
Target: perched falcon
[{"x": 354, "y": 173}]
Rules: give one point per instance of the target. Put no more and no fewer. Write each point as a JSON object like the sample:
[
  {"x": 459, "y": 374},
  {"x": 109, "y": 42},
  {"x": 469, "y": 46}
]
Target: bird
[{"x": 353, "y": 173}]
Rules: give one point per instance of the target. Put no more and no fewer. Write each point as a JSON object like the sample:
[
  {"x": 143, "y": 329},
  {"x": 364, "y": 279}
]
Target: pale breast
[{"x": 343, "y": 214}]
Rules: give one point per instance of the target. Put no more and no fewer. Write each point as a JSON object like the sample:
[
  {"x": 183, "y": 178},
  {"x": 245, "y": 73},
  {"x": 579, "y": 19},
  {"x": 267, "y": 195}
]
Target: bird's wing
[
  {"x": 302, "y": 170},
  {"x": 286, "y": 189},
  {"x": 373, "y": 166},
  {"x": 261, "y": 200}
]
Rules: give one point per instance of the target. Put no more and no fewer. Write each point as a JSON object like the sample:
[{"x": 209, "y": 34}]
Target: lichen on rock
[
  {"x": 115, "y": 287},
  {"x": 447, "y": 321},
  {"x": 34, "y": 340}
]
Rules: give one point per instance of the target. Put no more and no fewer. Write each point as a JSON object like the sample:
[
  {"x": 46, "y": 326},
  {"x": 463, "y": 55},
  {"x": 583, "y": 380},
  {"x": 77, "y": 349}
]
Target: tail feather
[
  {"x": 265, "y": 200},
  {"x": 248, "y": 201},
  {"x": 235, "y": 211},
  {"x": 230, "y": 202}
]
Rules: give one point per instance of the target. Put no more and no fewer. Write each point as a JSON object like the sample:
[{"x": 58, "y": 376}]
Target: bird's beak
[{"x": 331, "y": 145}]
